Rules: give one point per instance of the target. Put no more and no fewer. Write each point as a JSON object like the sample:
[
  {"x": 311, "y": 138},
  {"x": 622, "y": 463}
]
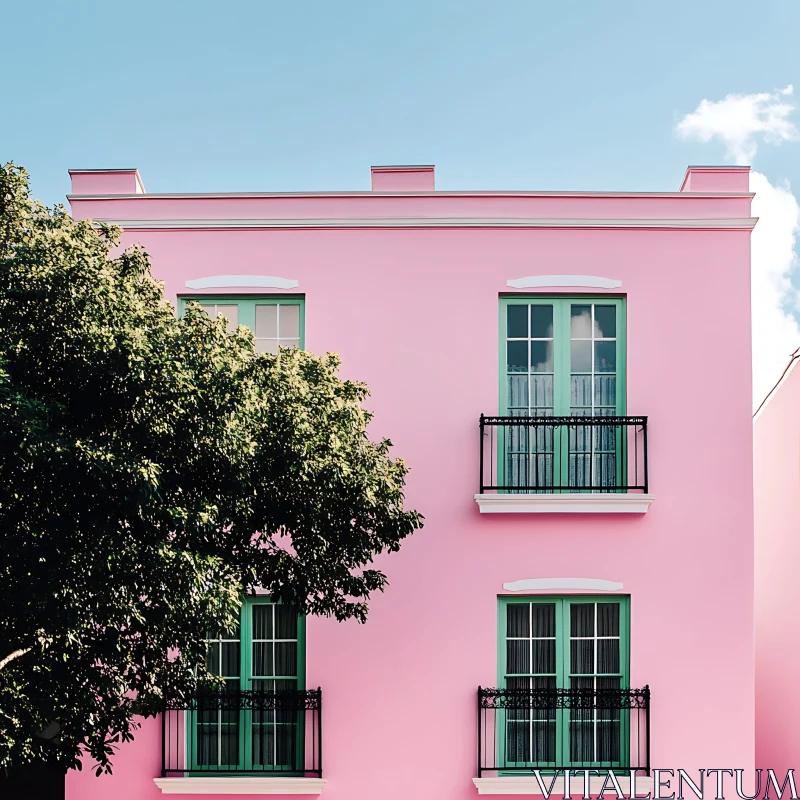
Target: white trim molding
[
  {"x": 548, "y": 584},
  {"x": 600, "y": 503},
  {"x": 241, "y": 281},
  {"x": 535, "y": 281},
  {"x": 744, "y": 223},
  {"x": 241, "y": 785},
  {"x": 407, "y": 193},
  {"x": 527, "y": 784}
]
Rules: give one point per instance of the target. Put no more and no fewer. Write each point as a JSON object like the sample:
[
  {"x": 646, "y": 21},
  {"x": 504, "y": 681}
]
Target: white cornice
[
  {"x": 408, "y": 193},
  {"x": 745, "y": 223},
  {"x": 240, "y": 785},
  {"x": 600, "y": 503}
]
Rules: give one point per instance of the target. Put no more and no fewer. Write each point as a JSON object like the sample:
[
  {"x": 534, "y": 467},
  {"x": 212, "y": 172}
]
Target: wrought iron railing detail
[
  {"x": 563, "y": 455},
  {"x": 225, "y": 731},
  {"x": 520, "y": 730}
]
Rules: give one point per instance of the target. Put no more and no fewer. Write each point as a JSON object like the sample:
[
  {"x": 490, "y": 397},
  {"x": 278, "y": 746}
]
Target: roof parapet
[
  {"x": 716, "y": 179},
  {"x": 106, "y": 181}
]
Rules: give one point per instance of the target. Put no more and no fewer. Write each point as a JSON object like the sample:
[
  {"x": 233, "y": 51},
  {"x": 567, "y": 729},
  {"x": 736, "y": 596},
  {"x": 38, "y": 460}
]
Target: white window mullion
[
  {"x": 530, "y": 651},
  {"x": 274, "y": 664},
  {"x": 596, "y": 653}
]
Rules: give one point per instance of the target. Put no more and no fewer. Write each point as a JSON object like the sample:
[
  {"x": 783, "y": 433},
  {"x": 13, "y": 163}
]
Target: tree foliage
[{"x": 152, "y": 471}]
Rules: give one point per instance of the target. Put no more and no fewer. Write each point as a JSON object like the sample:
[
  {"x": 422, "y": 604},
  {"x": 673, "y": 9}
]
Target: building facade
[
  {"x": 567, "y": 374},
  {"x": 777, "y": 521}
]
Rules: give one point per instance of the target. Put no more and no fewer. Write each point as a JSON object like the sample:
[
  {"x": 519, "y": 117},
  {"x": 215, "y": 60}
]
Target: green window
[
  {"x": 564, "y": 643},
  {"x": 264, "y": 653},
  {"x": 276, "y": 321},
  {"x": 562, "y": 357}
]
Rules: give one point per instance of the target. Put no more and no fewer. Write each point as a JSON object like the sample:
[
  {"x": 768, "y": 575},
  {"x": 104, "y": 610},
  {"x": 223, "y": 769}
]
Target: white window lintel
[{"x": 242, "y": 282}]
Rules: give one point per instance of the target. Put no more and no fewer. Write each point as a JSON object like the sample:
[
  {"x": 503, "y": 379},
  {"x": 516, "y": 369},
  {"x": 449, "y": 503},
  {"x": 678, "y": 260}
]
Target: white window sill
[
  {"x": 600, "y": 503},
  {"x": 527, "y": 784},
  {"x": 240, "y": 785}
]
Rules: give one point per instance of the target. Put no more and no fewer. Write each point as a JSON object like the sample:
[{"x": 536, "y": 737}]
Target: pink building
[
  {"x": 587, "y": 556},
  {"x": 777, "y": 525}
]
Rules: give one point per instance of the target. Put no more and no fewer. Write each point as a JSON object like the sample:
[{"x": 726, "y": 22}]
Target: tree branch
[{"x": 16, "y": 654}]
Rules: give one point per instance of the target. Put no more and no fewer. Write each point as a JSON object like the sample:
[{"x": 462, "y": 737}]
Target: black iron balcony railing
[
  {"x": 520, "y": 730},
  {"x": 562, "y": 455},
  {"x": 244, "y": 732}
]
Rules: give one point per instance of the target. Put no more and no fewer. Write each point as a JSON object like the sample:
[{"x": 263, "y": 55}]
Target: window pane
[
  {"x": 582, "y": 656},
  {"x": 608, "y": 619},
  {"x": 518, "y": 656},
  {"x": 581, "y": 322},
  {"x": 286, "y": 658},
  {"x": 580, "y": 391},
  {"x": 541, "y": 322},
  {"x": 517, "y": 356},
  {"x": 581, "y": 356},
  {"x": 608, "y": 655},
  {"x": 544, "y": 619},
  {"x": 207, "y": 744},
  {"x": 582, "y": 618},
  {"x": 544, "y": 655},
  {"x": 267, "y": 322},
  {"x": 517, "y": 322},
  {"x": 231, "y": 313},
  {"x": 230, "y": 743},
  {"x": 289, "y": 322},
  {"x": 605, "y": 390},
  {"x": 541, "y": 391},
  {"x": 605, "y": 322},
  {"x": 285, "y": 622},
  {"x": 541, "y": 356},
  {"x": 289, "y": 342},
  {"x": 605, "y": 356},
  {"x": 230, "y": 659},
  {"x": 518, "y": 619},
  {"x": 262, "y": 621},
  {"x": 262, "y": 658},
  {"x": 212, "y": 658},
  {"x": 267, "y": 346},
  {"x": 518, "y": 391}
]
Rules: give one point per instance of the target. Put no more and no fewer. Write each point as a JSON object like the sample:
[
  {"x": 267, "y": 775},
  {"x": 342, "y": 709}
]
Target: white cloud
[
  {"x": 776, "y": 334},
  {"x": 739, "y": 121}
]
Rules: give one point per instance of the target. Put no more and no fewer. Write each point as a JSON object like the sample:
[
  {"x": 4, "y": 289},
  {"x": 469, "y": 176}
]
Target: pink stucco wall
[
  {"x": 777, "y": 517},
  {"x": 413, "y": 312}
]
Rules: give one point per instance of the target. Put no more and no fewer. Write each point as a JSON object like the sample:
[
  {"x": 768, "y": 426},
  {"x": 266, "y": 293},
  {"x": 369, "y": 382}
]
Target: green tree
[{"x": 152, "y": 471}]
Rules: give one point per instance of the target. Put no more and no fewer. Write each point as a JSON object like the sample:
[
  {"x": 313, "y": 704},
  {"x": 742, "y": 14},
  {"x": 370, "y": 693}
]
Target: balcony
[
  {"x": 243, "y": 742},
  {"x": 601, "y": 727},
  {"x": 563, "y": 464}
]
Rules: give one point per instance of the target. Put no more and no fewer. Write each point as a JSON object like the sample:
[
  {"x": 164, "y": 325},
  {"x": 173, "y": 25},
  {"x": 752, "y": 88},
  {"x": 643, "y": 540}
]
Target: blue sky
[
  {"x": 204, "y": 96},
  {"x": 514, "y": 94}
]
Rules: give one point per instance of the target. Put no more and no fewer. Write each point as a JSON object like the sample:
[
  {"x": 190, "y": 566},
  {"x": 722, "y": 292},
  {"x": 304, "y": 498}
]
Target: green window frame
[
  {"x": 562, "y": 356},
  {"x": 555, "y": 344},
  {"x": 266, "y": 651},
  {"x": 573, "y": 642},
  {"x": 276, "y": 320}
]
